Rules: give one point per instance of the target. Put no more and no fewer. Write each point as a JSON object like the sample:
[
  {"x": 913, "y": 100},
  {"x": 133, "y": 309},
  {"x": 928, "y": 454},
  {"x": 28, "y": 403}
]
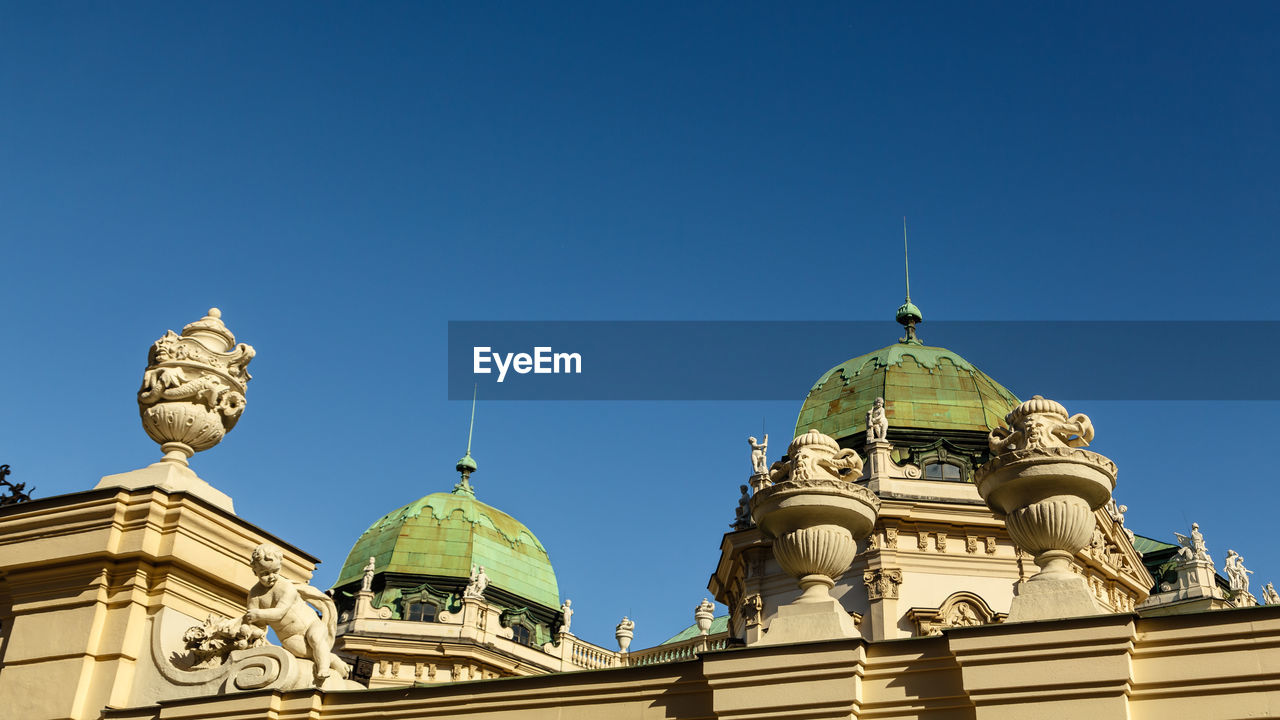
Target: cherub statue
[
  {"x": 877, "y": 422},
  {"x": 759, "y": 463},
  {"x": 282, "y": 605},
  {"x": 366, "y": 584},
  {"x": 1193, "y": 548},
  {"x": 1237, "y": 573},
  {"x": 568, "y": 615},
  {"x": 478, "y": 582}
]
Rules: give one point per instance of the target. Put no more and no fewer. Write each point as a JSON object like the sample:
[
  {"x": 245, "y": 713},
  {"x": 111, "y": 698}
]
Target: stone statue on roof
[
  {"x": 1270, "y": 595},
  {"x": 1193, "y": 548},
  {"x": 366, "y": 584},
  {"x": 284, "y": 606},
  {"x": 742, "y": 515},
  {"x": 759, "y": 462},
  {"x": 877, "y": 422},
  {"x": 477, "y": 583},
  {"x": 1237, "y": 573},
  {"x": 567, "y": 611}
]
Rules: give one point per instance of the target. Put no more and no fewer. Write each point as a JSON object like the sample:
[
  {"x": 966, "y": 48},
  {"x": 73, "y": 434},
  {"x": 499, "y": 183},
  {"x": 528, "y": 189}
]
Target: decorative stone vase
[
  {"x": 703, "y": 615},
  {"x": 193, "y": 390},
  {"x": 624, "y": 633},
  {"x": 815, "y": 514},
  {"x": 1048, "y": 488}
]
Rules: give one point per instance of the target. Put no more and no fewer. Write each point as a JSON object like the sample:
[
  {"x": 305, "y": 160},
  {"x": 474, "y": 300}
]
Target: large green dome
[
  {"x": 443, "y": 534},
  {"x": 928, "y": 389}
]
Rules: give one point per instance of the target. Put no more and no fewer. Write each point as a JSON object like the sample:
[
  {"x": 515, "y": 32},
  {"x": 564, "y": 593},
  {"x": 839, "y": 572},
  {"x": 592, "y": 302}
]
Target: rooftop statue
[
  {"x": 877, "y": 422},
  {"x": 1193, "y": 548},
  {"x": 282, "y": 605},
  {"x": 742, "y": 515},
  {"x": 366, "y": 582},
  {"x": 759, "y": 461},
  {"x": 1270, "y": 595},
  {"x": 1237, "y": 574},
  {"x": 567, "y": 611},
  {"x": 478, "y": 582}
]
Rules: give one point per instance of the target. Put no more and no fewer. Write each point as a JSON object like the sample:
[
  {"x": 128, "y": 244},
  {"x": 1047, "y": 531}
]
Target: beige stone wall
[
  {"x": 82, "y": 578},
  {"x": 1223, "y": 664}
]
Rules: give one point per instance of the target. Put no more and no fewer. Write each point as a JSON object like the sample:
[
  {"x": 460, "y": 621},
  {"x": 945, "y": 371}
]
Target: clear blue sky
[{"x": 343, "y": 179}]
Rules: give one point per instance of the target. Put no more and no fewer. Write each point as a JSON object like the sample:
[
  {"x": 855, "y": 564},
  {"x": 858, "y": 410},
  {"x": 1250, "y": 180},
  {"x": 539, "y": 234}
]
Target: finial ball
[{"x": 215, "y": 313}]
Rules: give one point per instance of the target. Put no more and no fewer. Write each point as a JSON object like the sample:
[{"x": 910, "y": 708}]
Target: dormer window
[
  {"x": 521, "y": 634},
  {"x": 943, "y": 471}
]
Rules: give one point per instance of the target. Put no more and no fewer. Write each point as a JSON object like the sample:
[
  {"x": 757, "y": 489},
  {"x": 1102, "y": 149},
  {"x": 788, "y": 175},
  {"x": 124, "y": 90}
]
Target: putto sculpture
[
  {"x": 1048, "y": 488},
  {"x": 193, "y": 390},
  {"x": 234, "y": 654},
  {"x": 566, "y": 610},
  {"x": 877, "y": 422},
  {"x": 280, "y": 604},
  {"x": 816, "y": 514}
]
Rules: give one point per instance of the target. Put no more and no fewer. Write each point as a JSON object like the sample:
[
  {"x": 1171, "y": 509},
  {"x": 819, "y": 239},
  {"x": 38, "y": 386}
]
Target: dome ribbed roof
[
  {"x": 924, "y": 388},
  {"x": 444, "y": 534}
]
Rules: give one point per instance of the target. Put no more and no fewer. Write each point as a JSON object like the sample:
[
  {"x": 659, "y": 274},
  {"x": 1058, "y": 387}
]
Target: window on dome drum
[
  {"x": 943, "y": 471},
  {"x": 521, "y": 634},
  {"x": 422, "y": 612}
]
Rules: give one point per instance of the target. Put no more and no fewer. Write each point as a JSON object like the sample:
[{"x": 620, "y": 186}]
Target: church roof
[
  {"x": 444, "y": 534},
  {"x": 924, "y": 388}
]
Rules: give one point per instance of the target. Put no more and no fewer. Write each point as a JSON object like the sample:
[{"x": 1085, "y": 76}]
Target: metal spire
[
  {"x": 467, "y": 464},
  {"x": 908, "y": 315},
  {"x": 906, "y": 260}
]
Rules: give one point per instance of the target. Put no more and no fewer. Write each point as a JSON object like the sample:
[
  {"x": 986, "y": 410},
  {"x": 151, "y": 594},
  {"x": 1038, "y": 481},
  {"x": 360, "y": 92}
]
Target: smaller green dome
[
  {"x": 444, "y": 534},
  {"x": 924, "y": 388}
]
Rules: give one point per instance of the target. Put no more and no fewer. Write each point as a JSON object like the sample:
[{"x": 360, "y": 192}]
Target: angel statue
[{"x": 282, "y": 605}]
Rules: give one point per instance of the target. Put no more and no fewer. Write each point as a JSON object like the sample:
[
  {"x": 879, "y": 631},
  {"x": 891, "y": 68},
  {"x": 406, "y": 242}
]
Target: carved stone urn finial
[
  {"x": 1048, "y": 488},
  {"x": 815, "y": 514},
  {"x": 193, "y": 390}
]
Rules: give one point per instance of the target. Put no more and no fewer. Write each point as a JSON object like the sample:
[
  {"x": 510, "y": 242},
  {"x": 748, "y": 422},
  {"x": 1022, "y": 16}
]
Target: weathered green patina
[
  {"x": 924, "y": 388},
  {"x": 444, "y": 534},
  {"x": 718, "y": 625}
]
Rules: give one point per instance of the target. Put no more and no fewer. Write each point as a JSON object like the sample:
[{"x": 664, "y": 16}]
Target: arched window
[{"x": 943, "y": 471}]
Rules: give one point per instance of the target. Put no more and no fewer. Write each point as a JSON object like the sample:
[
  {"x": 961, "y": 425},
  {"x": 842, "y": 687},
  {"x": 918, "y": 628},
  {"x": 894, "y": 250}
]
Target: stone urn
[
  {"x": 193, "y": 390},
  {"x": 815, "y": 514},
  {"x": 703, "y": 615},
  {"x": 1047, "y": 487},
  {"x": 624, "y": 632}
]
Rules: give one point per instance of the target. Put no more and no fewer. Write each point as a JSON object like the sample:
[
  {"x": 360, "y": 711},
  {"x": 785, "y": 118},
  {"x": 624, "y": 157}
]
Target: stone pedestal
[{"x": 88, "y": 578}]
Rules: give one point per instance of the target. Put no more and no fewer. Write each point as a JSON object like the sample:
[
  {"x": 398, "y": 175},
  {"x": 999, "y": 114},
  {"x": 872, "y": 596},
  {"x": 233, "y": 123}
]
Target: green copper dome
[
  {"x": 925, "y": 388},
  {"x": 444, "y": 534}
]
